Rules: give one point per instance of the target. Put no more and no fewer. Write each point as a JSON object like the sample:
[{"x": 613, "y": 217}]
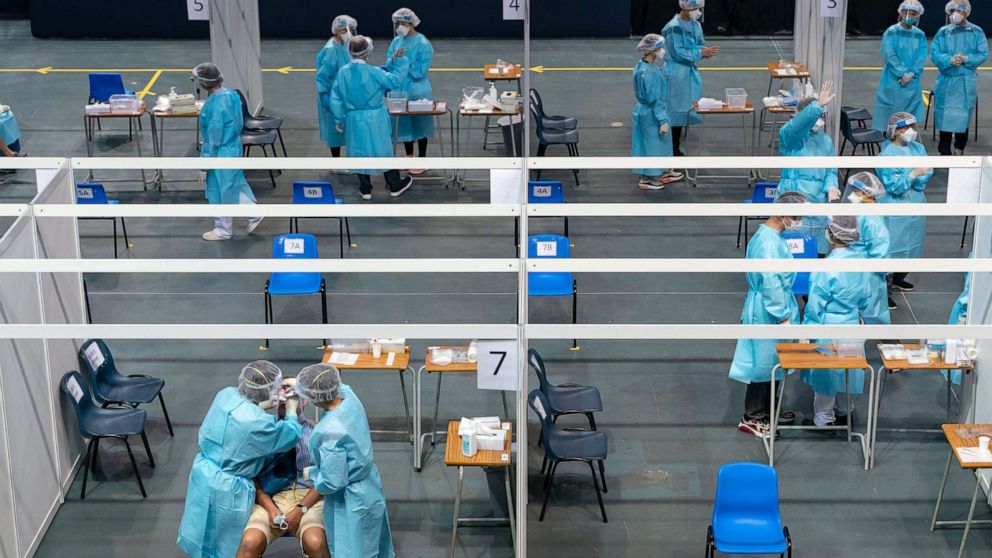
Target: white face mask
[
  {"x": 346, "y": 36},
  {"x": 696, "y": 14},
  {"x": 957, "y": 18},
  {"x": 792, "y": 224},
  {"x": 402, "y": 30},
  {"x": 854, "y": 198},
  {"x": 659, "y": 57},
  {"x": 910, "y": 135},
  {"x": 820, "y": 124}
]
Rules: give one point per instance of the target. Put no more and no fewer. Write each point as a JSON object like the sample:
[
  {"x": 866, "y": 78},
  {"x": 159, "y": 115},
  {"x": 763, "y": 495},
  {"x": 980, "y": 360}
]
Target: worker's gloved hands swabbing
[
  {"x": 268, "y": 404},
  {"x": 292, "y": 406},
  {"x": 833, "y": 195},
  {"x": 663, "y": 129},
  {"x": 826, "y": 94}
]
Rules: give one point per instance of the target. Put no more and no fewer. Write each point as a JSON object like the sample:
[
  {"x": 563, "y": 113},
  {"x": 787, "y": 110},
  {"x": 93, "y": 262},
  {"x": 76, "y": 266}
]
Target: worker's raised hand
[
  {"x": 826, "y": 94},
  {"x": 833, "y": 195},
  {"x": 663, "y": 129}
]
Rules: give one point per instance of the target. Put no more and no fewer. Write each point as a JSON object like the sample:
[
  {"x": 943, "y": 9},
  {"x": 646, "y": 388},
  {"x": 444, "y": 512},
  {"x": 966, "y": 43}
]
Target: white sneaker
[
  {"x": 672, "y": 176},
  {"x": 254, "y": 223},
  {"x": 406, "y": 186},
  {"x": 367, "y": 197},
  {"x": 212, "y": 235}
]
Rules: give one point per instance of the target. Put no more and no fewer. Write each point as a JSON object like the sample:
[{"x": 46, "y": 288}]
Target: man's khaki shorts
[{"x": 286, "y": 501}]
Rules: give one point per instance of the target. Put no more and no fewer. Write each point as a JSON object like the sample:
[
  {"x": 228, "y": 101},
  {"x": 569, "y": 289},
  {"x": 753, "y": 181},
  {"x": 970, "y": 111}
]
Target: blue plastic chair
[
  {"x": 763, "y": 192},
  {"x": 803, "y": 247},
  {"x": 294, "y": 246},
  {"x": 96, "y": 423},
  {"x": 553, "y": 283},
  {"x": 563, "y": 445},
  {"x": 319, "y": 193},
  {"x": 91, "y": 193},
  {"x": 105, "y": 84},
  {"x": 746, "y": 518},
  {"x": 112, "y": 388}
]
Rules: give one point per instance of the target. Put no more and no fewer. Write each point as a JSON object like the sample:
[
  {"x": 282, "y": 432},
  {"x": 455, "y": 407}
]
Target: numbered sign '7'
[{"x": 499, "y": 367}]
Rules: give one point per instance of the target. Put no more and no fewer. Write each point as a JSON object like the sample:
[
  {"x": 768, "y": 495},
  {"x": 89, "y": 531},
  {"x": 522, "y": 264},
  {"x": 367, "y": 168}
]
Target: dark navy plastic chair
[
  {"x": 294, "y": 246},
  {"x": 552, "y": 283},
  {"x": 764, "y": 192},
  {"x": 319, "y": 193},
  {"x": 112, "y": 388},
  {"x": 566, "y": 399},
  {"x": 563, "y": 445},
  {"x": 803, "y": 247},
  {"x": 746, "y": 518},
  {"x": 96, "y": 423},
  {"x": 554, "y": 130},
  {"x": 91, "y": 193}
]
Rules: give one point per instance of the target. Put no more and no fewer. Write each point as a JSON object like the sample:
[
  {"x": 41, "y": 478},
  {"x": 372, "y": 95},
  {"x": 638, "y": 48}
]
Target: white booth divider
[{"x": 40, "y": 445}]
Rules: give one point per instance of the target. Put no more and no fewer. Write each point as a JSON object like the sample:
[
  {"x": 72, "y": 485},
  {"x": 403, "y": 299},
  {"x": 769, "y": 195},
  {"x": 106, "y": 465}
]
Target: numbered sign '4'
[
  {"x": 514, "y": 9},
  {"x": 499, "y": 367}
]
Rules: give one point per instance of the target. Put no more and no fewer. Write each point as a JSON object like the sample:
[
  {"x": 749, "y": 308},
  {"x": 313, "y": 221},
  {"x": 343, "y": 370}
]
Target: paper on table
[
  {"x": 390, "y": 359},
  {"x": 343, "y": 358},
  {"x": 974, "y": 455}
]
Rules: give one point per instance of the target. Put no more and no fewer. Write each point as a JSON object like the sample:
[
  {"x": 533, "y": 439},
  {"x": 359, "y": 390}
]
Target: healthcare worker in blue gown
[
  {"x": 686, "y": 46},
  {"x": 836, "y": 298},
  {"x": 221, "y": 123},
  {"x": 904, "y": 52},
  {"x": 358, "y": 101},
  {"x": 236, "y": 439},
  {"x": 344, "y": 470},
  {"x": 770, "y": 300},
  {"x": 959, "y": 316},
  {"x": 958, "y": 49},
  {"x": 865, "y": 187},
  {"x": 330, "y": 59},
  {"x": 419, "y": 53},
  {"x": 651, "y": 132},
  {"x": 904, "y": 186},
  {"x": 803, "y": 136},
  {"x": 10, "y": 138}
]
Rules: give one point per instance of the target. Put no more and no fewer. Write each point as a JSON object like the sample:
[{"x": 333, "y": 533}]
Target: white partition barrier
[{"x": 46, "y": 328}]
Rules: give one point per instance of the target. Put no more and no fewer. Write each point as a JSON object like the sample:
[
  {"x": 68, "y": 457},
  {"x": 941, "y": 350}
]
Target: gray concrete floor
[{"x": 670, "y": 410}]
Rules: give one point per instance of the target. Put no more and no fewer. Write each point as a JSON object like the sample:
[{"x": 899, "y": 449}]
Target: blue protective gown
[
  {"x": 345, "y": 474},
  {"x": 769, "y": 301},
  {"x": 836, "y": 298},
  {"x": 651, "y": 91},
  {"x": 957, "y": 87},
  {"x": 684, "y": 43},
  {"x": 236, "y": 439},
  {"x": 330, "y": 60},
  {"x": 358, "y": 101},
  {"x": 874, "y": 243},
  {"x": 221, "y": 122},
  {"x": 10, "y": 132},
  {"x": 903, "y": 50},
  {"x": 797, "y": 139},
  {"x": 959, "y": 315},
  {"x": 906, "y": 233},
  {"x": 419, "y": 53}
]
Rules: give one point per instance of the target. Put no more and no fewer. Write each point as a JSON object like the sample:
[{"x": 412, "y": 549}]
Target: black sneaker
[
  {"x": 406, "y": 186},
  {"x": 892, "y": 304},
  {"x": 902, "y": 285},
  {"x": 840, "y": 420},
  {"x": 7, "y": 171},
  {"x": 786, "y": 417}
]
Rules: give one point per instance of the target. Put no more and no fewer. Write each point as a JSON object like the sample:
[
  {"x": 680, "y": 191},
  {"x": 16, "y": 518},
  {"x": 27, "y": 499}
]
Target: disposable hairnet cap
[
  {"x": 319, "y": 382},
  {"x": 911, "y": 5},
  {"x": 900, "y": 120},
  {"x": 208, "y": 74},
  {"x": 360, "y": 46},
  {"x": 406, "y": 15},
  {"x": 844, "y": 229},
  {"x": 259, "y": 380},
  {"x": 650, "y": 43},
  {"x": 691, "y": 4},
  {"x": 343, "y": 21},
  {"x": 961, "y": 5},
  {"x": 868, "y": 183},
  {"x": 791, "y": 197}
]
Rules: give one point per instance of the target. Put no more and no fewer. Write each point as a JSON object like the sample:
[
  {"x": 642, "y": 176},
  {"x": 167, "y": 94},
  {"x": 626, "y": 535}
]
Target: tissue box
[
  {"x": 492, "y": 442},
  {"x": 422, "y": 105},
  {"x": 393, "y": 345},
  {"x": 97, "y": 108}
]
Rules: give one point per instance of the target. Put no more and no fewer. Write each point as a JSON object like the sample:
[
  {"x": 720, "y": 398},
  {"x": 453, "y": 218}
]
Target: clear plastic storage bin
[
  {"x": 396, "y": 101},
  {"x": 124, "y": 103},
  {"x": 736, "y": 98}
]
